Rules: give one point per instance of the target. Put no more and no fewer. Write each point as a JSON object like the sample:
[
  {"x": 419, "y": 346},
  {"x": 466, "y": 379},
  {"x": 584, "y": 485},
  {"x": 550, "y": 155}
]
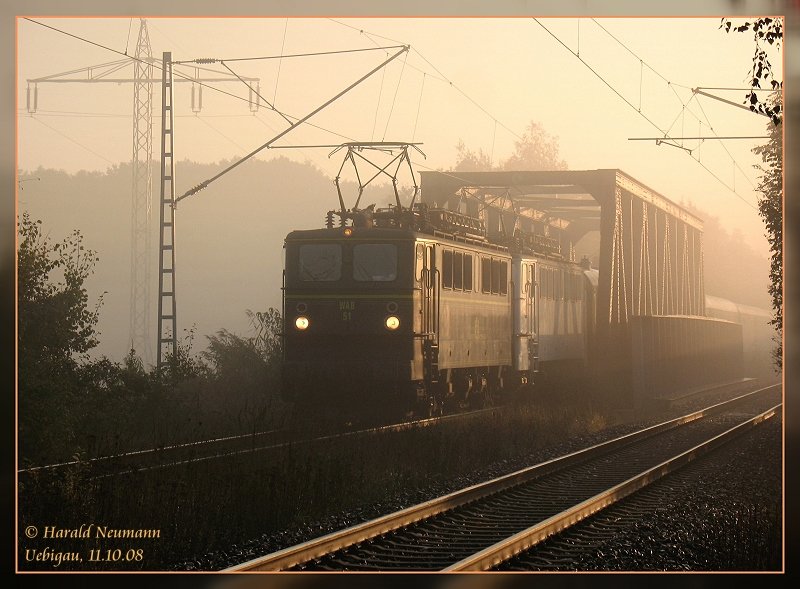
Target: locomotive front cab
[{"x": 348, "y": 328}]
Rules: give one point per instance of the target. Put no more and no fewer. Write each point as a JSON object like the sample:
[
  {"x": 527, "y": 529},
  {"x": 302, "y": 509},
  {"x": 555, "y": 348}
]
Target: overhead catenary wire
[
  {"x": 202, "y": 185},
  {"x": 282, "y": 57},
  {"x": 131, "y": 57},
  {"x": 644, "y": 116},
  {"x": 440, "y": 77},
  {"x": 269, "y": 104},
  {"x": 298, "y": 121},
  {"x": 157, "y": 66},
  {"x": 369, "y": 36},
  {"x": 218, "y": 132},
  {"x": 280, "y": 61},
  {"x": 419, "y": 106},
  {"x": 128, "y": 40},
  {"x": 695, "y": 91},
  {"x": 93, "y": 152},
  {"x": 746, "y": 177},
  {"x": 378, "y": 104},
  {"x": 394, "y": 100}
]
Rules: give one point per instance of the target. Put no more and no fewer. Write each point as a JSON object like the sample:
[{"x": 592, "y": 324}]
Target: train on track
[{"x": 414, "y": 310}]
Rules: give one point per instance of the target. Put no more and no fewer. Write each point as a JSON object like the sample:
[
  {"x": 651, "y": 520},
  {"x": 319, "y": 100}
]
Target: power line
[
  {"x": 363, "y": 32},
  {"x": 312, "y": 54},
  {"x": 257, "y": 93},
  {"x": 629, "y": 50},
  {"x": 486, "y": 112},
  {"x": 220, "y": 133},
  {"x": 695, "y": 92},
  {"x": 149, "y": 63},
  {"x": 441, "y": 77},
  {"x": 397, "y": 88},
  {"x": 178, "y": 74},
  {"x": 637, "y": 110},
  {"x": 280, "y": 62},
  {"x": 419, "y": 105},
  {"x": 205, "y": 183},
  {"x": 698, "y": 137},
  {"x": 710, "y": 126},
  {"x": 73, "y": 140},
  {"x": 75, "y": 114},
  {"x": 128, "y": 40}
]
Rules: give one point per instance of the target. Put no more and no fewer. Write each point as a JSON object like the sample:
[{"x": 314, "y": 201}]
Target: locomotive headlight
[
  {"x": 392, "y": 322},
  {"x": 301, "y": 323}
]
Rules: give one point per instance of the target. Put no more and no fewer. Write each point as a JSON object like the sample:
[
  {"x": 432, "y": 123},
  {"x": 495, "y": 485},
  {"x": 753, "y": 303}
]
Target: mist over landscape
[
  {"x": 433, "y": 355},
  {"x": 229, "y": 241},
  {"x": 229, "y": 238}
]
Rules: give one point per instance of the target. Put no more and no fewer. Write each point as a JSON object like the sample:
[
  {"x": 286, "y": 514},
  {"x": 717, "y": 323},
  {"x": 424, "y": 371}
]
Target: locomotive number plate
[{"x": 347, "y": 308}]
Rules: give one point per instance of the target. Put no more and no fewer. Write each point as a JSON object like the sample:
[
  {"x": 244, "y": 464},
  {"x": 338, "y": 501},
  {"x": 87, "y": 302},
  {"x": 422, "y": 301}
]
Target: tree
[
  {"x": 267, "y": 327},
  {"x": 56, "y": 329},
  {"x": 535, "y": 150},
  {"x": 770, "y": 207},
  {"x": 469, "y": 161},
  {"x": 246, "y": 370},
  {"x": 771, "y": 31},
  {"x": 55, "y": 321}
]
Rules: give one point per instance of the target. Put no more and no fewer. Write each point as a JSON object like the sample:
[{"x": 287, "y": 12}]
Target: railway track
[
  {"x": 485, "y": 525},
  {"x": 169, "y": 456},
  {"x": 721, "y": 513},
  {"x": 231, "y": 446}
]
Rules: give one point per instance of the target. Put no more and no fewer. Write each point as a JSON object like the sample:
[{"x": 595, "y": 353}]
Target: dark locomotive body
[
  {"x": 419, "y": 312},
  {"x": 346, "y": 288}
]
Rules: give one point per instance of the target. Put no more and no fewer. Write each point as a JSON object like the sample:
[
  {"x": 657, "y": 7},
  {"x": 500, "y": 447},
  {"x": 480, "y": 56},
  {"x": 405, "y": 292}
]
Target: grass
[{"x": 210, "y": 505}]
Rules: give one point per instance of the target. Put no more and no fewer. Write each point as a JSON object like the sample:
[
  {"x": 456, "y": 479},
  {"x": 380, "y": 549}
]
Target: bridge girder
[{"x": 650, "y": 255}]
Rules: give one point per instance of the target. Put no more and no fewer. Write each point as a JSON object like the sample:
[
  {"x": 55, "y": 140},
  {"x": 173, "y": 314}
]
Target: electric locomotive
[{"x": 410, "y": 310}]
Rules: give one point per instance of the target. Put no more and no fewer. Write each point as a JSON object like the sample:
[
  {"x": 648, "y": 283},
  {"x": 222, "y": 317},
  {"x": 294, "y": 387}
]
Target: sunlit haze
[{"x": 599, "y": 87}]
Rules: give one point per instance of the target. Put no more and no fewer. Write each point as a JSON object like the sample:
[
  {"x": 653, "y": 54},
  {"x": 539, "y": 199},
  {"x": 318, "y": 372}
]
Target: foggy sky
[{"x": 476, "y": 80}]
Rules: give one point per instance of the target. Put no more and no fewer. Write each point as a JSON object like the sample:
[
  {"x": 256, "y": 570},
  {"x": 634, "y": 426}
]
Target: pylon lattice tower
[{"x": 142, "y": 196}]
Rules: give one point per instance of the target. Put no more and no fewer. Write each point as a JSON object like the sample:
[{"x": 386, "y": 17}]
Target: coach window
[
  {"x": 468, "y": 272},
  {"x": 547, "y": 283},
  {"x": 556, "y": 284},
  {"x": 458, "y": 270},
  {"x": 375, "y": 262},
  {"x": 486, "y": 275},
  {"x": 320, "y": 262},
  {"x": 559, "y": 284},
  {"x": 499, "y": 277},
  {"x": 447, "y": 268}
]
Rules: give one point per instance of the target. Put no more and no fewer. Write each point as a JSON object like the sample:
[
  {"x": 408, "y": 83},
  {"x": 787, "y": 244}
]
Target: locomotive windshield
[
  {"x": 320, "y": 262},
  {"x": 375, "y": 262},
  {"x": 330, "y": 262}
]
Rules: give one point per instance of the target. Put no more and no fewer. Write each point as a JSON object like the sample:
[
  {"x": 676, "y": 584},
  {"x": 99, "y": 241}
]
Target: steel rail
[
  {"x": 507, "y": 549},
  {"x": 162, "y": 452},
  {"x": 338, "y": 540},
  {"x": 398, "y": 427}
]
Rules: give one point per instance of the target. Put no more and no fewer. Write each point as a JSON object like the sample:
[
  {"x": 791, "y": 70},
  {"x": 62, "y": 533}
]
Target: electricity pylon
[
  {"x": 142, "y": 186},
  {"x": 141, "y": 195}
]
